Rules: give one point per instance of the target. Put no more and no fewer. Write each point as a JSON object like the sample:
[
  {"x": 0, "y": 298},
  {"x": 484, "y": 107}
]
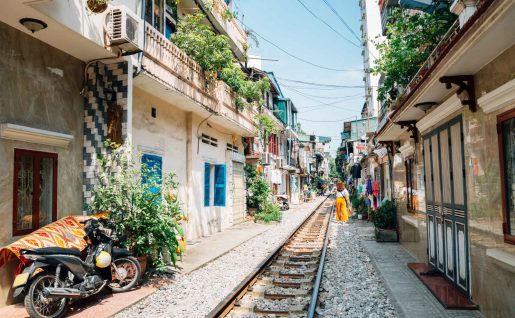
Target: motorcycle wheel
[
  {"x": 37, "y": 305},
  {"x": 126, "y": 275}
]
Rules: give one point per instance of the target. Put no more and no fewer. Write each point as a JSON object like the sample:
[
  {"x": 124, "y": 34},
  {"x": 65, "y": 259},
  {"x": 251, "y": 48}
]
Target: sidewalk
[
  {"x": 412, "y": 298},
  {"x": 204, "y": 251}
]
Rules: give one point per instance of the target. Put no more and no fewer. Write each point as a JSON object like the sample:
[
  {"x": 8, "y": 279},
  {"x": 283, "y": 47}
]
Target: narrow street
[{"x": 257, "y": 158}]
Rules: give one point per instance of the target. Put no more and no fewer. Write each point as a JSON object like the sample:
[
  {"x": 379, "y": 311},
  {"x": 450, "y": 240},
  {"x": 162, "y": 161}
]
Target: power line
[
  {"x": 326, "y": 121},
  {"x": 318, "y": 96},
  {"x": 290, "y": 54},
  {"x": 327, "y": 24},
  {"x": 342, "y": 20},
  {"x": 319, "y": 84},
  {"x": 322, "y": 104}
]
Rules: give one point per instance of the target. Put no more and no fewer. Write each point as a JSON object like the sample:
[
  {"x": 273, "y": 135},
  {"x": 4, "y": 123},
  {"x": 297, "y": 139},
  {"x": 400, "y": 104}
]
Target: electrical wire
[
  {"x": 318, "y": 96},
  {"x": 326, "y": 121},
  {"x": 290, "y": 54},
  {"x": 328, "y": 25},
  {"x": 319, "y": 84},
  {"x": 342, "y": 20}
]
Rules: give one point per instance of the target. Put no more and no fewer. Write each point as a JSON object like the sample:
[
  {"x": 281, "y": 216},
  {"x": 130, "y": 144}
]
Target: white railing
[{"x": 170, "y": 65}]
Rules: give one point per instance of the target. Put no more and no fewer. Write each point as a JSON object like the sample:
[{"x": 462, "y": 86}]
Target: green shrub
[
  {"x": 143, "y": 206},
  {"x": 270, "y": 212},
  {"x": 386, "y": 216}
]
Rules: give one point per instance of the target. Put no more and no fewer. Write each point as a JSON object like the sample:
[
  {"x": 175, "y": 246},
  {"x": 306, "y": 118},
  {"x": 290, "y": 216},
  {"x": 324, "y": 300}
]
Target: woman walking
[{"x": 342, "y": 196}]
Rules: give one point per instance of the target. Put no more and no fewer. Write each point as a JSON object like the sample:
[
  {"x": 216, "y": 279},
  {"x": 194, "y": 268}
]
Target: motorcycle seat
[{"x": 53, "y": 250}]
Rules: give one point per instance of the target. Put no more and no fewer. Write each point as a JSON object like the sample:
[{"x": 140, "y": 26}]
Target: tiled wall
[{"x": 99, "y": 78}]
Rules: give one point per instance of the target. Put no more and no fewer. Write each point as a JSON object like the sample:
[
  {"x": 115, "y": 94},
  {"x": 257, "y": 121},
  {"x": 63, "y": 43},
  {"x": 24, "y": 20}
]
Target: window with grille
[
  {"x": 209, "y": 140},
  {"x": 35, "y": 190},
  {"x": 232, "y": 147}
]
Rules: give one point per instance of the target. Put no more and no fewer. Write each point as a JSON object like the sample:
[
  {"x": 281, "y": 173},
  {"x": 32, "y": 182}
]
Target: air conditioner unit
[
  {"x": 125, "y": 29},
  {"x": 279, "y": 162}
]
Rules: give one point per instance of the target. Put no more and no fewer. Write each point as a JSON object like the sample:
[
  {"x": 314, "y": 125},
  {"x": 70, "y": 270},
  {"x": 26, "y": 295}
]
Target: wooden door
[{"x": 447, "y": 229}]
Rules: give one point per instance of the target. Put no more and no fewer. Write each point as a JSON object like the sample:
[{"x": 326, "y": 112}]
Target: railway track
[{"x": 286, "y": 284}]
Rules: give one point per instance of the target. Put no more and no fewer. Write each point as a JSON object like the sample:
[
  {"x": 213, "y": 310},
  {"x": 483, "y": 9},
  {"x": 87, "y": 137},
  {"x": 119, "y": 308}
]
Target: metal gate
[
  {"x": 238, "y": 192},
  {"x": 447, "y": 229}
]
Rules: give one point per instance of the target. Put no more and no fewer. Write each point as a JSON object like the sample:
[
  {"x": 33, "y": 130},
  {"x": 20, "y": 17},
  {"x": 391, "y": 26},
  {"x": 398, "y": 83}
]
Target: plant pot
[
  {"x": 96, "y": 7},
  {"x": 143, "y": 260},
  {"x": 251, "y": 211},
  {"x": 383, "y": 235},
  {"x": 360, "y": 216}
]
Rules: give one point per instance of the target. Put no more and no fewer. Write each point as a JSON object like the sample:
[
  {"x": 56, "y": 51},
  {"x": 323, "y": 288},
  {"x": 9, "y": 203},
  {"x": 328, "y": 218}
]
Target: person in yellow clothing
[{"x": 342, "y": 199}]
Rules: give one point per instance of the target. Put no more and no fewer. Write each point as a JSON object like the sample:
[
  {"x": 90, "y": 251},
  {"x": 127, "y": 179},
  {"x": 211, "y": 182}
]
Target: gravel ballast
[
  {"x": 351, "y": 286},
  {"x": 196, "y": 294}
]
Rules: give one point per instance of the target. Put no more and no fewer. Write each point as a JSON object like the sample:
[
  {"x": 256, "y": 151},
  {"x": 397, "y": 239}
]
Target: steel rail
[
  {"x": 226, "y": 305},
  {"x": 320, "y": 272}
]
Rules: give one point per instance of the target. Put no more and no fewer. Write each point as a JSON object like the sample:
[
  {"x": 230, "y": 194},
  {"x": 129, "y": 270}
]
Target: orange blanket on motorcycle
[{"x": 66, "y": 232}]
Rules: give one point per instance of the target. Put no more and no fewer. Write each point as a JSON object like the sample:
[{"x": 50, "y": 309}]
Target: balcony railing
[
  {"x": 168, "y": 64},
  {"x": 232, "y": 27}
]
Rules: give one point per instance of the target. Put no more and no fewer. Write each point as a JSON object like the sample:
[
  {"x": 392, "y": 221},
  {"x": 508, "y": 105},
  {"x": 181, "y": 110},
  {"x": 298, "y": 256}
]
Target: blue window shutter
[
  {"x": 154, "y": 165},
  {"x": 220, "y": 172},
  {"x": 207, "y": 183}
]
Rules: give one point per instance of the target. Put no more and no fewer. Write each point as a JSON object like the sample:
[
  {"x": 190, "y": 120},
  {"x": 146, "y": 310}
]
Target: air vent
[
  {"x": 209, "y": 140},
  {"x": 232, "y": 147},
  {"x": 125, "y": 29}
]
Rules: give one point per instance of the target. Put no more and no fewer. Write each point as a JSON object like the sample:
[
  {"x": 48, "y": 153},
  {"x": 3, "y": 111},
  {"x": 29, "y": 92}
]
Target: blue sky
[{"x": 290, "y": 26}]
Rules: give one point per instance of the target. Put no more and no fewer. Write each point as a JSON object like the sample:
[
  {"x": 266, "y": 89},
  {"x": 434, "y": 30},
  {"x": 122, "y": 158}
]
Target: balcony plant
[
  {"x": 143, "y": 206},
  {"x": 213, "y": 53},
  {"x": 385, "y": 222}
]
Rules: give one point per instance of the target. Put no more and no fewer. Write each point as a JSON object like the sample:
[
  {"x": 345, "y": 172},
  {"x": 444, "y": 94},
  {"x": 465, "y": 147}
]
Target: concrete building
[
  {"x": 137, "y": 88},
  {"x": 450, "y": 144},
  {"x": 371, "y": 34}
]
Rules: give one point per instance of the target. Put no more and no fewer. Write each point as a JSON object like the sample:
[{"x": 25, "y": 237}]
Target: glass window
[
  {"x": 36, "y": 190},
  {"x": 161, "y": 15},
  {"x": 507, "y": 144}
]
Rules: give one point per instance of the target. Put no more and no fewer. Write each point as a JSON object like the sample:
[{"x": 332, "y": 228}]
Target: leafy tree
[{"x": 410, "y": 40}]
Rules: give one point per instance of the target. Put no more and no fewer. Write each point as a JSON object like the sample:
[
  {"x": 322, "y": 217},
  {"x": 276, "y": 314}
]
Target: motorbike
[
  {"x": 54, "y": 277},
  {"x": 282, "y": 200}
]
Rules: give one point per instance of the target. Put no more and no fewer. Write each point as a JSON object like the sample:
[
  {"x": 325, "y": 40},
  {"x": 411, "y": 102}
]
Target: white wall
[
  {"x": 165, "y": 135},
  {"x": 205, "y": 221},
  {"x": 372, "y": 32}
]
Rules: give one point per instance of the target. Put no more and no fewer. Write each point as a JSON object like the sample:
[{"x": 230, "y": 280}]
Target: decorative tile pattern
[{"x": 101, "y": 77}]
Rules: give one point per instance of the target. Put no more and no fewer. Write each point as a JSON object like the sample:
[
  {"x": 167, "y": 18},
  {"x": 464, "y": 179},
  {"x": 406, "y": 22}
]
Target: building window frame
[
  {"x": 37, "y": 157},
  {"x": 508, "y": 238}
]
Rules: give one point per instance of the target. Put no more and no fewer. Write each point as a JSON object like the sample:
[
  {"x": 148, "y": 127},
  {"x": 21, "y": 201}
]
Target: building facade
[
  {"x": 72, "y": 85},
  {"x": 450, "y": 145}
]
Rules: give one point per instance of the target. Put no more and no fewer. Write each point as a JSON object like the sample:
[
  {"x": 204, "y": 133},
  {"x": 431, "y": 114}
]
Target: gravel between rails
[
  {"x": 196, "y": 294},
  {"x": 350, "y": 285}
]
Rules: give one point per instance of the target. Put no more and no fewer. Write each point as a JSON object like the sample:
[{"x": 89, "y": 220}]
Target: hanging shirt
[
  {"x": 276, "y": 177},
  {"x": 369, "y": 186},
  {"x": 356, "y": 171},
  {"x": 375, "y": 188}
]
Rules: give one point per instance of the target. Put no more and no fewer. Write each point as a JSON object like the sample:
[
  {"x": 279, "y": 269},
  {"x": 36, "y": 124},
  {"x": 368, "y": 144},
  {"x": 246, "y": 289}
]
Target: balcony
[
  {"x": 181, "y": 82},
  {"x": 215, "y": 11}
]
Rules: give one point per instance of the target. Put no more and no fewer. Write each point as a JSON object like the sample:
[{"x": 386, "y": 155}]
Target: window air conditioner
[{"x": 125, "y": 29}]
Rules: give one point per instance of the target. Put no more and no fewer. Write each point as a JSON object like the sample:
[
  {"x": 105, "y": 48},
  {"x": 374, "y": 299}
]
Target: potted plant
[
  {"x": 359, "y": 205},
  {"x": 385, "y": 222},
  {"x": 143, "y": 205},
  {"x": 97, "y": 6}
]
